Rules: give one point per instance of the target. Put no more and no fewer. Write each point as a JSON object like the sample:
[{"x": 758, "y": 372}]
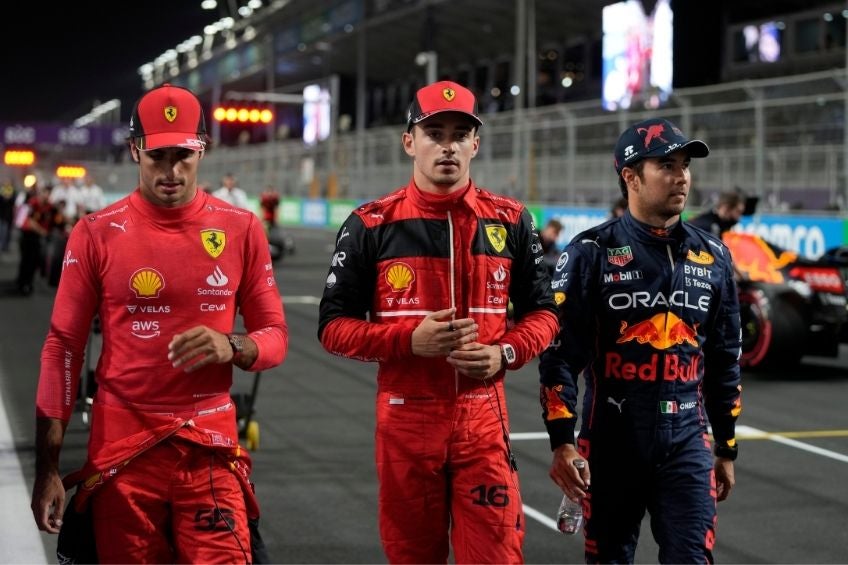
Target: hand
[
  {"x": 437, "y": 335},
  {"x": 198, "y": 347},
  {"x": 725, "y": 478},
  {"x": 48, "y": 501},
  {"x": 573, "y": 482},
  {"x": 476, "y": 360}
]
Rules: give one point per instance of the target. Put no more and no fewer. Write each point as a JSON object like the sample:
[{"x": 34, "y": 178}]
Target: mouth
[{"x": 447, "y": 163}]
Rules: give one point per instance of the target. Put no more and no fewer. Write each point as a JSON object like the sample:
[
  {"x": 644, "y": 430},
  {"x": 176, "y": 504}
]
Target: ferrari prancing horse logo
[
  {"x": 213, "y": 242},
  {"x": 170, "y": 113},
  {"x": 449, "y": 94},
  {"x": 497, "y": 237}
]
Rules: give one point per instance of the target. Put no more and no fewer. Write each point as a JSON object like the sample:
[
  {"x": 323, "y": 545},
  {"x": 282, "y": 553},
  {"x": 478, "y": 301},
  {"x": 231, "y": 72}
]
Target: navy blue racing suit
[{"x": 652, "y": 317}]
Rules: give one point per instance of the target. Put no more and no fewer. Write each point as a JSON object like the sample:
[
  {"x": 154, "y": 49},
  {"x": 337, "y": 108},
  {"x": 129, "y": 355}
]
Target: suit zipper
[{"x": 452, "y": 259}]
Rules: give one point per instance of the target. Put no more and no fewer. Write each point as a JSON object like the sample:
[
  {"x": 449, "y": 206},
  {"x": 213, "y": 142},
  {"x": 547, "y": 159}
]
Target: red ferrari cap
[
  {"x": 168, "y": 116},
  {"x": 442, "y": 96}
]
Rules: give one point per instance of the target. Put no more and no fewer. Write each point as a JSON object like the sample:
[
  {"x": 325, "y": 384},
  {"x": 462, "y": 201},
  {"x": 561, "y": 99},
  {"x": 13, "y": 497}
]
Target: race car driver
[
  {"x": 421, "y": 281},
  {"x": 648, "y": 308},
  {"x": 166, "y": 268}
]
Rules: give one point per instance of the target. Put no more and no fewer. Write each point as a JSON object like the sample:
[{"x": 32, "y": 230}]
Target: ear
[
  {"x": 134, "y": 153},
  {"x": 408, "y": 145}
]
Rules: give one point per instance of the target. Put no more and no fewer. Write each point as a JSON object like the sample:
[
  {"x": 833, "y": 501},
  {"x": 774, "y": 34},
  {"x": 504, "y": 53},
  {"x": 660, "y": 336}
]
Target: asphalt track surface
[{"x": 314, "y": 469}]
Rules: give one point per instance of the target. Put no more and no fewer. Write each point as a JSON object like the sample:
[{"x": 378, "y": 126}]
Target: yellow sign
[
  {"x": 497, "y": 237},
  {"x": 213, "y": 242}
]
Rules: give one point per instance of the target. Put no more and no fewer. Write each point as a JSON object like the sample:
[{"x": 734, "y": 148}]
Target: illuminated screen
[
  {"x": 316, "y": 114},
  {"x": 637, "y": 54}
]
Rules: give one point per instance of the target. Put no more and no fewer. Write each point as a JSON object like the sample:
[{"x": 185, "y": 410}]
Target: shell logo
[
  {"x": 147, "y": 282},
  {"x": 400, "y": 277}
]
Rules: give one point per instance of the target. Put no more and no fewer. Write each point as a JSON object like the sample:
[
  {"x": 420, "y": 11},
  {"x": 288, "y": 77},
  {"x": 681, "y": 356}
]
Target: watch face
[
  {"x": 236, "y": 343},
  {"x": 509, "y": 353}
]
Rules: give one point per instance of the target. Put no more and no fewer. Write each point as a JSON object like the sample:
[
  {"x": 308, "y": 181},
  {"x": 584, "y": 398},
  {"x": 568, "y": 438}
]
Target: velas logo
[
  {"x": 449, "y": 94},
  {"x": 661, "y": 332},
  {"x": 400, "y": 277},
  {"x": 497, "y": 237},
  {"x": 170, "y": 113},
  {"x": 147, "y": 283},
  {"x": 213, "y": 241}
]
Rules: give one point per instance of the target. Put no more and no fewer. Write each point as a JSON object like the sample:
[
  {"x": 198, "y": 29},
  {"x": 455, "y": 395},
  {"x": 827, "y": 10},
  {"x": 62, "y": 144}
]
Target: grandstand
[{"x": 774, "y": 132}]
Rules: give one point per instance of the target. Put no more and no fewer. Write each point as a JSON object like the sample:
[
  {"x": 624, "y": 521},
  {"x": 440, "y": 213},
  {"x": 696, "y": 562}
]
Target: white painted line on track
[
  {"x": 22, "y": 541},
  {"x": 301, "y": 300},
  {"x": 742, "y": 431},
  {"x": 543, "y": 519}
]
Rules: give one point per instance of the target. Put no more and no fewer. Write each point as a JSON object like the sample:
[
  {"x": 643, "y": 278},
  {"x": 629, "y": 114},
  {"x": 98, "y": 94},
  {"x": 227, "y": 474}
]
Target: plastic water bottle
[
  {"x": 570, "y": 513},
  {"x": 569, "y": 516}
]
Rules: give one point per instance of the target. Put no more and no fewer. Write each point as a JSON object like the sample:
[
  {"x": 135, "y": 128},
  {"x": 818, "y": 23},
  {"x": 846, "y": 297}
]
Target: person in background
[
  {"x": 549, "y": 237},
  {"x": 91, "y": 196},
  {"x": 165, "y": 268},
  {"x": 398, "y": 292},
  {"x": 231, "y": 193},
  {"x": 649, "y": 314},
  {"x": 8, "y": 194},
  {"x": 269, "y": 201},
  {"x": 69, "y": 193},
  {"x": 727, "y": 212},
  {"x": 618, "y": 207},
  {"x": 34, "y": 219}
]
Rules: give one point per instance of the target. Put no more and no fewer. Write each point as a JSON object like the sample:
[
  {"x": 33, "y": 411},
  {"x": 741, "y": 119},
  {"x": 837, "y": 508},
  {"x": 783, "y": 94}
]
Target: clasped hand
[{"x": 439, "y": 335}]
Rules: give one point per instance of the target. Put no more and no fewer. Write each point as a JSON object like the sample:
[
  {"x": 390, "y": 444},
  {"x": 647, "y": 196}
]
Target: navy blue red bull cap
[
  {"x": 654, "y": 138},
  {"x": 442, "y": 96},
  {"x": 168, "y": 116}
]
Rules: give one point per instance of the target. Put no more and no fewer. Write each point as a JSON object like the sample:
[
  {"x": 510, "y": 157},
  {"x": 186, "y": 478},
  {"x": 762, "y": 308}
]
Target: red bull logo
[
  {"x": 756, "y": 258},
  {"x": 665, "y": 365},
  {"x": 555, "y": 408},
  {"x": 660, "y": 331}
]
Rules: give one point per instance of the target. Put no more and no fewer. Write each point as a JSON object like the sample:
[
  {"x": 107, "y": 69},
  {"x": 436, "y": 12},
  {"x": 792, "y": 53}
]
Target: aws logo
[
  {"x": 147, "y": 283},
  {"x": 400, "y": 277}
]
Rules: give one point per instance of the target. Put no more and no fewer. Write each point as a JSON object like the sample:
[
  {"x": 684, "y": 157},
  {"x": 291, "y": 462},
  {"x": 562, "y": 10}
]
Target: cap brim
[
  {"x": 695, "y": 148},
  {"x": 423, "y": 117},
  {"x": 153, "y": 141}
]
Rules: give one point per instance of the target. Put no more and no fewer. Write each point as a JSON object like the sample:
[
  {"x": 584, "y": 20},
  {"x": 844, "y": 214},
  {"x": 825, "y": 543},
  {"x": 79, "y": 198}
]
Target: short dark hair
[
  {"x": 637, "y": 167},
  {"x": 730, "y": 198}
]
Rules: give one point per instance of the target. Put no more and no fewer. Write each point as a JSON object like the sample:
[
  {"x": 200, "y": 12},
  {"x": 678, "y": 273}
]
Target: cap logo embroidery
[
  {"x": 170, "y": 113},
  {"x": 651, "y": 133},
  {"x": 449, "y": 94}
]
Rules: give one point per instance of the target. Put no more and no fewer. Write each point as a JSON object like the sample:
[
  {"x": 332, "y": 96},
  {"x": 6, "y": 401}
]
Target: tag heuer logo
[
  {"x": 449, "y": 94},
  {"x": 213, "y": 242},
  {"x": 619, "y": 256},
  {"x": 497, "y": 237},
  {"x": 170, "y": 113}
]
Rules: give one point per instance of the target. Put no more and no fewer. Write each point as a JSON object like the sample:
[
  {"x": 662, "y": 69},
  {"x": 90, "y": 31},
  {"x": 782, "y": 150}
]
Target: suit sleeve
[
  {"x": 260, "y": 303},
  {"x": 63, "y": 352},
  {"x": 561, "y": 364},
  {"x": 531, "y": 296},
  {"x": 343, "y": 327},
  {"x": 722, "y": 381}
]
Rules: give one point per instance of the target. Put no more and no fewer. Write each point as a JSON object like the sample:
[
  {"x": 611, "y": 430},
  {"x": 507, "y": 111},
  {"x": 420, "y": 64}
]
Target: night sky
[{"x": 66, "y": 60}]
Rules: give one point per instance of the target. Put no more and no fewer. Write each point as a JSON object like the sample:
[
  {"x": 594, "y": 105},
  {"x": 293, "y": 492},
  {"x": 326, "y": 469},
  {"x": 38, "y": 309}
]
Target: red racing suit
[
  {"x": 442, "y": 452},
  {"x": 150, "y": 273}
]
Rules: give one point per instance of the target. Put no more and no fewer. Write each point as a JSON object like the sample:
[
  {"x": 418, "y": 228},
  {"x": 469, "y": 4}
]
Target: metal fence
[{"x": 781, "y": 139}]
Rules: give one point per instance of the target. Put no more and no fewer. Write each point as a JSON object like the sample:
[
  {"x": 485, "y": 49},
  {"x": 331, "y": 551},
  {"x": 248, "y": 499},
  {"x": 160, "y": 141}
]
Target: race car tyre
[{"x": 771, "y": 324}]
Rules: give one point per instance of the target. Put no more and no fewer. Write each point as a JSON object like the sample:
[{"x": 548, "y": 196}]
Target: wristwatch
[
  {"x": 726, "y": 451},
  {"x": 507, "y": 355},
  {"x": 237, "y": 343}
]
